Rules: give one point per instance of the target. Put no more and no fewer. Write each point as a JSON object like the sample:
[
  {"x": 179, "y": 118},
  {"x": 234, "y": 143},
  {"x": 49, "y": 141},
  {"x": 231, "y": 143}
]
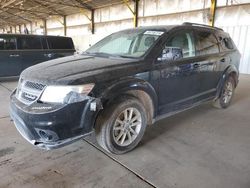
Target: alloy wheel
[
  {"x": 127, "y": 126},
  {"x": 228, "y": 92}
]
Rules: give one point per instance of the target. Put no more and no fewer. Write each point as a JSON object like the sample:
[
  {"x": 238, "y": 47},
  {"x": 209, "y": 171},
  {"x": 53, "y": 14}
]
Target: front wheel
[
  {"x": 226, "y": 94},
  {"x": 122, "y": 125}
]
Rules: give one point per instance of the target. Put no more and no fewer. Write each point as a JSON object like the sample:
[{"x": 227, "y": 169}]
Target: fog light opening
[{"x": 45, "y": 136}]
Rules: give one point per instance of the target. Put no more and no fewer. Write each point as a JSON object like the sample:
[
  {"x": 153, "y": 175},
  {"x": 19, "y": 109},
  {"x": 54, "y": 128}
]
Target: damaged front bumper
[{"x": 50, "y": 126}]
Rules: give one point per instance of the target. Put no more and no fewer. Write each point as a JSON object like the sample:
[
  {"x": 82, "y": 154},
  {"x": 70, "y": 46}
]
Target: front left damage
[{"x": 50, "y": 126}]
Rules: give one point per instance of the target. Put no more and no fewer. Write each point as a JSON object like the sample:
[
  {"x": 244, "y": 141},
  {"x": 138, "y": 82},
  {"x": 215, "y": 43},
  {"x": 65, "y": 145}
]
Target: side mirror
[{"x": 170, "y": 54}]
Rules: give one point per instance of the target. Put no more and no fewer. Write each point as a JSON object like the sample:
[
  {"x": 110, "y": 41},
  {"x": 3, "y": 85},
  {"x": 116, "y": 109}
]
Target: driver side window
[{"x": 179, "y": 46}]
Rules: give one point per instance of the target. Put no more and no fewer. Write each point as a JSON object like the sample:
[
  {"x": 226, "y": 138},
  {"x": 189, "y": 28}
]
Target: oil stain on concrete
[{"x": 7, "y": 151}]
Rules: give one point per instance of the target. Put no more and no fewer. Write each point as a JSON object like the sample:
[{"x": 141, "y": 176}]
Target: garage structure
[
  {"x": 202, "y": 147},
  {"x": 89, "y": 21}
]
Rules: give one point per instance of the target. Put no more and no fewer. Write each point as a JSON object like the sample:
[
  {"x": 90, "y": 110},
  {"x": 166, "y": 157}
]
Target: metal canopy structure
[{"x": 17, "y": 12}]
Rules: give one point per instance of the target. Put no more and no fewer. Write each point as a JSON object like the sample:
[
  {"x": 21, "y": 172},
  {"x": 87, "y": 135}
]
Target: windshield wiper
[
  {"x": 123, "y": 56},
  {"x": 106, "y": 54},
  {"x": 98, "y": 53}
]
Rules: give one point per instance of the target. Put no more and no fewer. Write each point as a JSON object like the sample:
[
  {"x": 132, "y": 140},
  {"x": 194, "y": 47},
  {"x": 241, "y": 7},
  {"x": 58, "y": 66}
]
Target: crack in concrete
[
  {"x": 5, "y": 87},
  {"x": 123, "y": 165},
  {"x": 4, "y": 117}
]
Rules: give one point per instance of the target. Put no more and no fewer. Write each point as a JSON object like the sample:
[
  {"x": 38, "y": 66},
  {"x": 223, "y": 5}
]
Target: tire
[
  {"x": 226, "y": 94},
  {"x": 113, "y": 132}
]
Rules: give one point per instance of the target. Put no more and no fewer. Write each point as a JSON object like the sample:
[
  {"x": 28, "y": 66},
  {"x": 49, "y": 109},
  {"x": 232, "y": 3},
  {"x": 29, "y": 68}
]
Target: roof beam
[
  {"x": 51, "y": 10},
  {"x": 32, "y": 11},
  {"x": 8, "y": 3},
  {"x": 22, "y": 18},
  {"x": 7, "y": 22},
  {"x": 85, "y": 5},
  {"x": 68, "y": 5}
]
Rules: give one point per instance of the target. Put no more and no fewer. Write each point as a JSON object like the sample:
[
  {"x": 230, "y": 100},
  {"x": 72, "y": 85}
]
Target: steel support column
[
  {"x": 64, "y": 26},
  {"x": 136, "y": 8},
  {"x": 212, "y": 12},
  {"x": 133, "y": 11},
  {"x": 93, "y": 21},
  {"x": 91, "y": 18},
  {"x": 31, "y": 28},
  {"x": 45, "y": 27}
]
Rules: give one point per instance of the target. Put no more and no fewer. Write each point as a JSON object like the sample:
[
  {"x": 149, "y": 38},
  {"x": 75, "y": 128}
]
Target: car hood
[{"x": 79, "y": 69}]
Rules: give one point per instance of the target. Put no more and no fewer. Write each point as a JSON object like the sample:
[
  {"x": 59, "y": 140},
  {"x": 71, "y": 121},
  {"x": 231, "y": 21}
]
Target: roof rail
[{"x": 202, "y": 25}]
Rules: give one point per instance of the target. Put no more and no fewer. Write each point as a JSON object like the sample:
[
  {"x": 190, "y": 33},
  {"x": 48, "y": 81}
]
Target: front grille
[
  {"x": 29, "y": 92},
  {"x": 33, "y": 85}
]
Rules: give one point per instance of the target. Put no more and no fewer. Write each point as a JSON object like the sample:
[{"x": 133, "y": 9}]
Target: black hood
[{"x": 79, "y": 69}]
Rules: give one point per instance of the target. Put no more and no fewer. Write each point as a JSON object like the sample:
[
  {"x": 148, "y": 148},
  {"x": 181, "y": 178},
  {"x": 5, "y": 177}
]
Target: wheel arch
[
  {"x": 140, "y": 89},
  {"x": 231, "y": 70}
]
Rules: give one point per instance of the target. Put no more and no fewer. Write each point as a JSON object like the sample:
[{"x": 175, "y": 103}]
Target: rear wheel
[
  {"x": 226, "y": 94},
  {"x": 122, "y": 125}
]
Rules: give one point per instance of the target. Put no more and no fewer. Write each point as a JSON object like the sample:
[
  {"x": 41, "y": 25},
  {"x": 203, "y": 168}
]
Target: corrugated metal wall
[{"x": 241, "y": 37}]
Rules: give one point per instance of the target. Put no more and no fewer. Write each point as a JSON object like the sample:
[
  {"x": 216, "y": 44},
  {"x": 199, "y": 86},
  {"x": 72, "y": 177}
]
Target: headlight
[{"x": 61, "y": 94}]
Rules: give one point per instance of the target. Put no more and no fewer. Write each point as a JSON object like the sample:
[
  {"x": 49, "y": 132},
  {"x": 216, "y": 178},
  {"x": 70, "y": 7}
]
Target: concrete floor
[{"x": 203, "y": 147}]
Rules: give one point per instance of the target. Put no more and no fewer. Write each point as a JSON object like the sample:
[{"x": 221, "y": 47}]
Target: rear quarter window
[
  {"x": 227, "y": 43},
  {"x": 60, "y": 43},
  {"x": 30, "y": 43}
]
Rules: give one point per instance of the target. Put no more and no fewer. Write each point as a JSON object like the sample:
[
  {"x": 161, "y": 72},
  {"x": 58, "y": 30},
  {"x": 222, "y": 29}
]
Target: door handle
[
  {"x": 196, "y": 65},
  {"x": 223, "y": 60},
  {"x": 14, "y": 55},
  {"x": 48, "y": 55}
]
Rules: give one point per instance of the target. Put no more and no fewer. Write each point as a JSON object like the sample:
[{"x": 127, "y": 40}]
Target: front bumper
[{"x": 51, "y": 126}]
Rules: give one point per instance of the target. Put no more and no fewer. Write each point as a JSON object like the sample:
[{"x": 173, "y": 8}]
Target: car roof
[
  {"x": 30, "y": 35},
  {"x": 155, "y": 27},
  {"x": 184, "y": 25}
]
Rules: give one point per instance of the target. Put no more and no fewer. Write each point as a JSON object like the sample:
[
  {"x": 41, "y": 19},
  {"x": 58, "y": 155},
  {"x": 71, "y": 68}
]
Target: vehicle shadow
[
  {"x": 241, "y": 95},
  {"x": 174, "y": 122}
]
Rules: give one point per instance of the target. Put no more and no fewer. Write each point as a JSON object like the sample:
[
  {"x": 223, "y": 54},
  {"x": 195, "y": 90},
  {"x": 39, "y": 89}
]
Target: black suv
[{"x": 123, "y": 83}]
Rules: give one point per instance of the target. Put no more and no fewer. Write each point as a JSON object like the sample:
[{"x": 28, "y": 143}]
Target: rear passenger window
[
  {"x": 60, "y": 43},
  {"x": 28, "y": 43},
  {"x": 7, "y": 43},
  {"x": 208, "y": 44}
]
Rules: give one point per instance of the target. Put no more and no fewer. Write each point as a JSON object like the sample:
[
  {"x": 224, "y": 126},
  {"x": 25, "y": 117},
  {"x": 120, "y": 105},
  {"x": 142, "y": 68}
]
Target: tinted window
[
  {"x": 7, "y": 43},
  {"x": 208, "y": 44},
  {"x": 44, "y": 43},
  {"x": 227, "y": 42},
  {"x": 26, "y": 43},
  {"x": 60, "y": 43},
  {"x": 185, "y": 42}
]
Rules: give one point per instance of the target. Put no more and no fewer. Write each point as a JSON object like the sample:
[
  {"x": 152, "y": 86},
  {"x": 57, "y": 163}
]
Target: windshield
[{"x": 129, "y": 43}]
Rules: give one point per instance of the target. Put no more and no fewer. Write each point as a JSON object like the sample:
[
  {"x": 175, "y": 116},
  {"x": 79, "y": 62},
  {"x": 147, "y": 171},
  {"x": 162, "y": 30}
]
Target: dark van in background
[{"x": 17, "y": 51}]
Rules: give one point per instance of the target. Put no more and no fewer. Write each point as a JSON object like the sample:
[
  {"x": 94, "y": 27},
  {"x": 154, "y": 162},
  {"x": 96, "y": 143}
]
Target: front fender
[{"x": 120, "y": 87}]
